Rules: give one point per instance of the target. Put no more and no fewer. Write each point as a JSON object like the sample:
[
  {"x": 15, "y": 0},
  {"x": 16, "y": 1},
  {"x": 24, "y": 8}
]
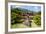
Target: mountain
[{"x": 23, "y": 10}]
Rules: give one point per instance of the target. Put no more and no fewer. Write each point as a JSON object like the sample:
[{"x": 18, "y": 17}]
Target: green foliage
[
  {"x": 15, "y": 16},
  {"x": 37, "y": 19},
  {"x": 16, "y": 10},
  {"x": 16, "y": 19}
]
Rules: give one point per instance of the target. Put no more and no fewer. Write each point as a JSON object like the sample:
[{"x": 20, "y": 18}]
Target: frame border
[{"x": 6, "y": 17}]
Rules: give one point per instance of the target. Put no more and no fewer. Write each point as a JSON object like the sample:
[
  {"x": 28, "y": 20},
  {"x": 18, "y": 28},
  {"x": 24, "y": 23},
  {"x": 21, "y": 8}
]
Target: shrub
[
  {"x": 37, "y": 19},
  {"x": 18, "y": 21}
]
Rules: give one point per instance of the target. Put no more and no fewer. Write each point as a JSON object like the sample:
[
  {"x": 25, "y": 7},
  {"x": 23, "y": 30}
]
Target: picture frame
[{"x": 26, "y": 29}]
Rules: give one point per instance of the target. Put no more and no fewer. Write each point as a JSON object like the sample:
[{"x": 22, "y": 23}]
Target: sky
[{"x": 32, "y": 8}]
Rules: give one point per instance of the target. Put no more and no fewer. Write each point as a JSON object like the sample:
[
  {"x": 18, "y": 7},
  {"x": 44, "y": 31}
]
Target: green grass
[{"x": 19, "y": 26}]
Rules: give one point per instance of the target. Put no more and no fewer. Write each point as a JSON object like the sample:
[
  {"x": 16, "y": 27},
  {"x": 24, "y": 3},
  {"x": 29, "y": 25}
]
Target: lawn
[{"x": 19, "y": 26}]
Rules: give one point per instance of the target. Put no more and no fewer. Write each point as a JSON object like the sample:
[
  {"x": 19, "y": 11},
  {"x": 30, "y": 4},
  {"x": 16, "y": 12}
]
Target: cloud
[
  {"x": 14, "y": 6},
  {"x": 18, "y": 6},
  {"x": 36, "y": 8}
]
